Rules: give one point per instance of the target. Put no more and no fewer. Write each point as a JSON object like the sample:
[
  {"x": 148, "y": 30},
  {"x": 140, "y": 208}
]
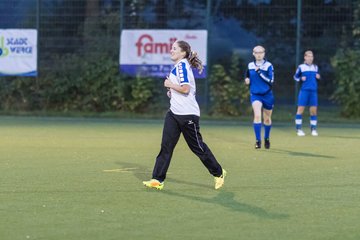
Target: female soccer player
[
  {"x": 308, "y": 75},
  {"x": 260, "y": 77},
  {"x": 183, "y": 117}
]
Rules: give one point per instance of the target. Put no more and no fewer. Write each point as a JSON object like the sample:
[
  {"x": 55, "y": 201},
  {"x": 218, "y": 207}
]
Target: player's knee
[
  {"x": 267, "y": 121},
  {"x": 257, "y": 118}
]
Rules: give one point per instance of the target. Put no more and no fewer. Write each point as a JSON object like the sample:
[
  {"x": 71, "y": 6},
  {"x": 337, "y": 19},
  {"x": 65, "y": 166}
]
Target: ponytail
[
  {"x": 195, "y": 62},
  {"x": 191, "y": 56}
]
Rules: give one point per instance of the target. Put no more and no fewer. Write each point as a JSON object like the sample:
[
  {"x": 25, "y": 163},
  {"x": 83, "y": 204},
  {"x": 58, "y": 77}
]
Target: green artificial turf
[{"x": 64, "y": 178}]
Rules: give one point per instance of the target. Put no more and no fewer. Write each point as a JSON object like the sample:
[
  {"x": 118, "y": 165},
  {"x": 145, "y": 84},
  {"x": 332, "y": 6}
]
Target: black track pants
[{"x": 188, "y": 125}]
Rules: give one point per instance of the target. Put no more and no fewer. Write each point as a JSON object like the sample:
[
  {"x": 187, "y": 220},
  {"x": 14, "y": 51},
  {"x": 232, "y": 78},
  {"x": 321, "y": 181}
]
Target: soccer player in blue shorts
[
  {"x": 260, "y": 77},
  {"x": 308, "y": 75}
]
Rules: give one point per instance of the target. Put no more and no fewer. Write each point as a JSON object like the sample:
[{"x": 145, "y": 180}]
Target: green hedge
[
  {"x": 346, "y": 63},
  {"x": 347, "y": 93},
  {"x": 78, "y": 85},
  {"x": 228, "y": 93},
  {"x": 95, "y": 85}
]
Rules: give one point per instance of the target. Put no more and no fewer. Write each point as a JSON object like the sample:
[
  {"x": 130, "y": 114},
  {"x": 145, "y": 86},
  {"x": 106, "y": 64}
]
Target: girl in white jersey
[{"x": 183, "y": 117}]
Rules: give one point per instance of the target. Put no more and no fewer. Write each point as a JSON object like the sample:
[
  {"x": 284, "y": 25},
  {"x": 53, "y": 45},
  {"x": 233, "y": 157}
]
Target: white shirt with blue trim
[{"x": 183, "y": 104}]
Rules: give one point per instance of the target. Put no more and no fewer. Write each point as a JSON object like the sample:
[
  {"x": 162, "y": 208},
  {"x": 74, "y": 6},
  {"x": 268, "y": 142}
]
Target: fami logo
[{"x": 152, "y": 47}]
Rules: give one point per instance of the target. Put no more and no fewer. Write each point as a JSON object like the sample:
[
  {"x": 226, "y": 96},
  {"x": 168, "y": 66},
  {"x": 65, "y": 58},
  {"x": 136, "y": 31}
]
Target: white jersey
[{"x": 183, "y": 104}]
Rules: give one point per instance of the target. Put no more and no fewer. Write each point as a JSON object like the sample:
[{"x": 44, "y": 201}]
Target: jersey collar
[{"x": 260, "y": 64}]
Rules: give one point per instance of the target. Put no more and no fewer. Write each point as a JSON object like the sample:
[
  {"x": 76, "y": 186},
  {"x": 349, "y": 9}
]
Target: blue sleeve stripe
[
  {"x": 262, "y": 75},
  {"x": 183, "y": 75},
  {"x": 268, "y": 76},
  {"x": 271, "y": 74},
  {"x": 174, "y": 71}
]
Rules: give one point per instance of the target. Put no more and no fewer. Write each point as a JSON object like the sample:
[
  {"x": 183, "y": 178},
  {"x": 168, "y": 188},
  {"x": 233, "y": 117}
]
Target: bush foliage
[
  {"x": 78, "y": 85},
  {"x": 346, "y": 63},
  {"x": 228, "y": 93}
]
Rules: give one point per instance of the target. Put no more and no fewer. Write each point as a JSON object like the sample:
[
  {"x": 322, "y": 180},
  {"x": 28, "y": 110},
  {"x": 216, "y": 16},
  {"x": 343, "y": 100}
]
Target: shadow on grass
[
  {"x": 140, "y": 172},
  {"x": 343, "y": 137},
  {"x": 224, "y": 198},
  {"x": 207, "y": 186},
  {"x": 143, "y": 173},
  {"x": 300, "y": 154}
]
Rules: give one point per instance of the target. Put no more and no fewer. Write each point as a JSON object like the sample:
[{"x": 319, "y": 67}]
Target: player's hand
[
  {"x": 168, "y": 93},
  {"x": 247, "y": 81},
  {"x": 167, "y": 83},
  {"x": 318, "y": 76},
  {"x": 303, "y": 78}
]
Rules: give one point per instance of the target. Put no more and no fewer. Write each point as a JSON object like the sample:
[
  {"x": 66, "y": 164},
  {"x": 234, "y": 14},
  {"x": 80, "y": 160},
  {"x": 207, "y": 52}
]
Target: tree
[{"x": 346, "y": 63}]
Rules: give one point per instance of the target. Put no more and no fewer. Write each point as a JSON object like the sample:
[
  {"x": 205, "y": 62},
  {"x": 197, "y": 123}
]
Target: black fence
[{"x": 234, "y": 27}]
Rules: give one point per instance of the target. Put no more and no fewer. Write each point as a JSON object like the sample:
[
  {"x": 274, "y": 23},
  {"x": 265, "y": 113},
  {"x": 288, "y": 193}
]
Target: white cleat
[
  {"x": 300, "y": 133},
  {"x": 314, "y": 133}
]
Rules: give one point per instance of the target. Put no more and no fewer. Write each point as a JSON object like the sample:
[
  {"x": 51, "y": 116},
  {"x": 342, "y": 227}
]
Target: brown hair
[{"x": 191, "y": 56}]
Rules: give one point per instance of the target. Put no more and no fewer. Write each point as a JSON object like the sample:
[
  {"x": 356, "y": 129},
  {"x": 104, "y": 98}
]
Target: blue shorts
[
  {"x": 307, "y": 98},
  {"x": 267, "y": 100}
]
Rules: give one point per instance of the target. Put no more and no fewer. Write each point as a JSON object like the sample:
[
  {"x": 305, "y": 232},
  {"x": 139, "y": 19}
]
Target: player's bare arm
[{"x": 185, "y": 89}]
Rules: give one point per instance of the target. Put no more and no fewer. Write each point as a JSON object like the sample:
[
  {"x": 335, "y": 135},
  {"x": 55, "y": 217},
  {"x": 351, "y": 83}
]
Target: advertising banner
[
  {"x": 147, "y": 52},
  {"x": 18, "y": 52}
]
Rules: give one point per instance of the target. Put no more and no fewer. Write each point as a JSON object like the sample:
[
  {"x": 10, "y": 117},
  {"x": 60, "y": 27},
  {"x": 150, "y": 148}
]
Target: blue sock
[
  {"x": 267, "y": 131},
  {"x": 257, "y": 130},
  {"x": 298, "y": 121},
  {"x": 313, "y": 122}
]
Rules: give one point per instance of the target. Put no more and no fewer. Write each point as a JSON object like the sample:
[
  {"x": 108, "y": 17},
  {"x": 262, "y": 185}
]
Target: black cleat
[
  {"x": 267, "y": 143},
  {"x": 258, "y": 144}
]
